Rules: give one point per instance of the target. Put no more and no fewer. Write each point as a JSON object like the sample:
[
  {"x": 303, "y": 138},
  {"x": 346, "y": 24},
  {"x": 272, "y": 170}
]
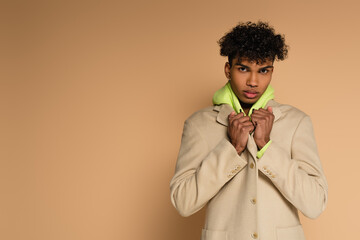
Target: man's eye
[
  {"x": 242, "y": 69},
  {"x": 264, "y": 70}
]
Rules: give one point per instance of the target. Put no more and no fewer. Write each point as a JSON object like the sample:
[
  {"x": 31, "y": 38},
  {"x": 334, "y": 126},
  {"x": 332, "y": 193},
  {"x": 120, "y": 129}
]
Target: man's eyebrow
[
  {"x": 239, "y": 64},
  {"x": 269, "y": 66}
]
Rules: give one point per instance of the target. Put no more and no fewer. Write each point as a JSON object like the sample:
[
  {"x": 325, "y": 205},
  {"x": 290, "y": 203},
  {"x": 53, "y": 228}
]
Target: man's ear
[{"x": 227, "y": 70}]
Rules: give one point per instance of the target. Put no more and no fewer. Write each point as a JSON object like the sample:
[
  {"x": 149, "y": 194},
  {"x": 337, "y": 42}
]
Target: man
[{"x": 253, "y": 161}]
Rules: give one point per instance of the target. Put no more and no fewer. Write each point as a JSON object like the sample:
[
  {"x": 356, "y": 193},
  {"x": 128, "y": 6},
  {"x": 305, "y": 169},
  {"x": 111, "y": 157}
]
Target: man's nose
[{"x": 252, "y": 80}]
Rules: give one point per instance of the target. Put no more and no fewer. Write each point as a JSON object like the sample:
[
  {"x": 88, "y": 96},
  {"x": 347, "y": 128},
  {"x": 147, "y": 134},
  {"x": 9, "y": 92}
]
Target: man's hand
[
  {"x": 238, "y": 130},
  {"x": 263, "y": 121}
]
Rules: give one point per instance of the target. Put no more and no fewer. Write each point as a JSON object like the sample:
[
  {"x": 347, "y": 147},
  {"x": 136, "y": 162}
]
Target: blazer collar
[{"x": 225, "y": 109}]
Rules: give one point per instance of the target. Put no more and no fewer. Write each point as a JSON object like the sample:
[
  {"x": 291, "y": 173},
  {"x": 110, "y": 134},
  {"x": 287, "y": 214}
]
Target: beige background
[{"x": 94, "y": 95}]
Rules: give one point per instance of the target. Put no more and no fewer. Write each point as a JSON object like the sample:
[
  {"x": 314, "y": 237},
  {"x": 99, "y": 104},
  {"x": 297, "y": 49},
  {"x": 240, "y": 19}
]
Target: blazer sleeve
[
  {"x": 200, "y": 171},
  {"x": 298, "y": 176}
]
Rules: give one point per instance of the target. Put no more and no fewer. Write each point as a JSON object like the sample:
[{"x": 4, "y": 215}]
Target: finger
[
  {"x": 247, "y": 123},
  {"x": 266, "y": 111},
  {"x": 249, "y": 129},
  {"x": 254, "y": 122},
  {"x": 241, "y": 118},
  {"x": 262, "y": 110},
  {"x": 240, "y": 114},
  {"x": 232, "y": 114},
  {"x": 231, "y": 117},
  {"x": 259, "y": 117},
  {"x": 260, "y": 114}
]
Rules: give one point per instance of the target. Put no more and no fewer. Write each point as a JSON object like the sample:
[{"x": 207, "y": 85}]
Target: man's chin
[{"x": 249, "y": 101}]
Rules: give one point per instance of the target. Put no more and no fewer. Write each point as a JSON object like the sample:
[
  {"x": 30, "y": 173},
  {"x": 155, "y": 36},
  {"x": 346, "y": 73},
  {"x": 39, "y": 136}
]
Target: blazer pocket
[
  {"x": 213, "y": 235},
  {"x": 290, "y": 233}
]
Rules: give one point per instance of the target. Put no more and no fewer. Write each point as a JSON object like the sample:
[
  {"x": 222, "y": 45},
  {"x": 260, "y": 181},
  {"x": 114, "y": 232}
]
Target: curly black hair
[{"x": 254, "y": 42}]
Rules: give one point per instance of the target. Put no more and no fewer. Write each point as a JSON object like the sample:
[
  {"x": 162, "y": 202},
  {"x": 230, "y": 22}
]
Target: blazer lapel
[{"x": 223, "y": 112}]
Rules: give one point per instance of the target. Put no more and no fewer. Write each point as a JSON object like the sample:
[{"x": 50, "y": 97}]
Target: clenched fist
[
  {"x": 239, "y": 129},
  {"x": 263, "y": 120}
]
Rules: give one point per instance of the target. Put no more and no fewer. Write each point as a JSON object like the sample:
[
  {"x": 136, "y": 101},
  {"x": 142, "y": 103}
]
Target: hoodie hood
[{"x": 226, "y": 95}]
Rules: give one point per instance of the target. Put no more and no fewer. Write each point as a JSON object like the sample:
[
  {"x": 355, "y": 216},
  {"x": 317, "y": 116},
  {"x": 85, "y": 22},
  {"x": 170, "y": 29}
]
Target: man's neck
[{"x": 246, "y": 107}]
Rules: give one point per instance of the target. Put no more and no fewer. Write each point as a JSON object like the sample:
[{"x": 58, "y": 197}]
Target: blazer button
[
  {"x": 254, "y": 235},
  {"x": 253, "y": 201},
  {"x": 251, "y": 165}
]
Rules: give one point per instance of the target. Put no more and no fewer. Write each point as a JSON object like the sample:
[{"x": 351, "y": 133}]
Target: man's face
[{"x": 248, "y": 79}]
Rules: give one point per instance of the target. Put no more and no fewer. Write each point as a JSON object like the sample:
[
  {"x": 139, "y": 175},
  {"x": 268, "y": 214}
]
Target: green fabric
[
  {"x": 261, "y": 152},
  {"x": 226, "y": 95}
]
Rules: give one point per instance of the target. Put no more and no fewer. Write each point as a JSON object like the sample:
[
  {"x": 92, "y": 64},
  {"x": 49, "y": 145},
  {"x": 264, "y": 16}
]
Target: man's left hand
[{"x": 263, "y": 121}]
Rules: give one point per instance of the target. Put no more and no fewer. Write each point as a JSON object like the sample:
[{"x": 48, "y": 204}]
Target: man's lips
[{"x": 251, "y": 94}]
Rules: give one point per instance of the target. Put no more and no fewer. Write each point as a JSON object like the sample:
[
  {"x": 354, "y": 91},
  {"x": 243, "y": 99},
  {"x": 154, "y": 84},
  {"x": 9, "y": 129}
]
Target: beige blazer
[{"x": 246, "y": 197}]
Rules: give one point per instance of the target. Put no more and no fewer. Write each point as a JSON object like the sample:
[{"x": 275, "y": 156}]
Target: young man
[{"x": 253, "y": 161}]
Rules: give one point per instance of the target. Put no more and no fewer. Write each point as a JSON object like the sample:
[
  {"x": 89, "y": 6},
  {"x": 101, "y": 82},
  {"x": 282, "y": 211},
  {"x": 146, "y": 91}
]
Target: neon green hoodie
[{"x": 226, "y": 95}]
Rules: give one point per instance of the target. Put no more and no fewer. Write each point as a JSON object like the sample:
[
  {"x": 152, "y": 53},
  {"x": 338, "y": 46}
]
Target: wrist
[
  {"x": 260, "y": 144},
  {"x": 239, "y": 150}
]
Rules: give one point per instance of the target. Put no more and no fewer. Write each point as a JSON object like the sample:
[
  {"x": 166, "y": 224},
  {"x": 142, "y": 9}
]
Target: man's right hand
[{"x": 239, "y": 129}]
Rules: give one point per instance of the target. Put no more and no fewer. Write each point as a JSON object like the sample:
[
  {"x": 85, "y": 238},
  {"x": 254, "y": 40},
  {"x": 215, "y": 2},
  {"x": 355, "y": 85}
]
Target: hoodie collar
[
  {"x": 227, "y": 95},
  {"x": 225, "y": 109}
]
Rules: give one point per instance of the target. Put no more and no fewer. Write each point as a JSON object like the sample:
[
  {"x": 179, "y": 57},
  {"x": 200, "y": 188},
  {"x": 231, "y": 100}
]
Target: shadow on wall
[
  {"x": 180, "y": 228},
  {"x": 165, "y": 222}
]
